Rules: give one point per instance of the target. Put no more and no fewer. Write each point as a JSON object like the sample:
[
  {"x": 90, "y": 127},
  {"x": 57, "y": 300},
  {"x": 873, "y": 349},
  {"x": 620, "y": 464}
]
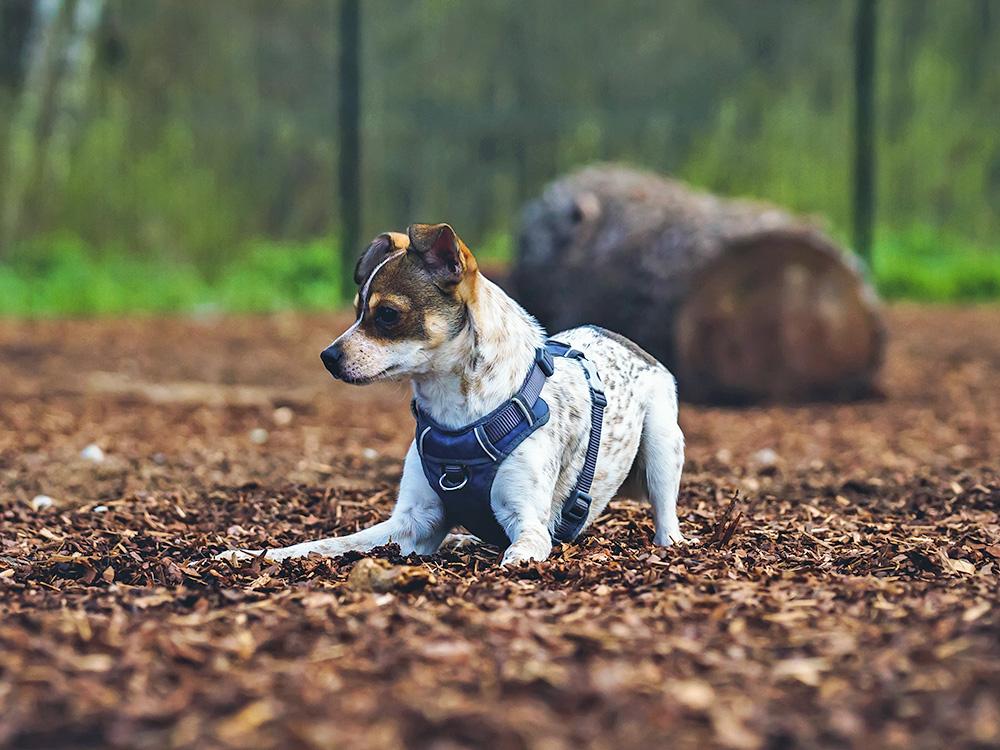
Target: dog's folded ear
[
  {"x": 442, "y": 252},
  {"x": 380, "y": 248}
]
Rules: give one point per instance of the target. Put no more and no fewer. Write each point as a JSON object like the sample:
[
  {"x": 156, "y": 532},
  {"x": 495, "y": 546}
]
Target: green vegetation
[
  {"x": 923, "y": 265},
  {"x": 61, "y": 276}
]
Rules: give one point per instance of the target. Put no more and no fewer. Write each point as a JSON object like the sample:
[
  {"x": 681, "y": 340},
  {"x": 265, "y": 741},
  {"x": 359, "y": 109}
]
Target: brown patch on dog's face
[{"x": 413, "y": 300}]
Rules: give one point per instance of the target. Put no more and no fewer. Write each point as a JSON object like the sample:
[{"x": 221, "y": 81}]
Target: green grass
[
  {"x": 922, "y": 264},
  {"x": 60, "y": 276}
]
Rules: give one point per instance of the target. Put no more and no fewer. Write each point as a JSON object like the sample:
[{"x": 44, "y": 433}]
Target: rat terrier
[{"x": 426, "y": 313}]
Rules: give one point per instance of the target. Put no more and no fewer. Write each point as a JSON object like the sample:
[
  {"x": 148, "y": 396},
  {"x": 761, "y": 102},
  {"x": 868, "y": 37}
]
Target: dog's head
[{"x": 414, "y": 292}]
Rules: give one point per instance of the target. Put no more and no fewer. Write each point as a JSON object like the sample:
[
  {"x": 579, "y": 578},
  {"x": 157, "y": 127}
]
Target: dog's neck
[{"x": 487, "y": 361}]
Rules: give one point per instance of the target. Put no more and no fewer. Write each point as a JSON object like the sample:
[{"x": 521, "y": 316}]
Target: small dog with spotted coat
[{"x": 523, "y": 437}]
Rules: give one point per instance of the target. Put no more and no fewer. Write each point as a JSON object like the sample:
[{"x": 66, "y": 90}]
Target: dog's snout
[{"x": 332, "y": 357}]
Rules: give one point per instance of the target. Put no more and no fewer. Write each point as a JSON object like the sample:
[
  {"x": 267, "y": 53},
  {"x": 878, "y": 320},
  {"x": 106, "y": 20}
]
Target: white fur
[{"x": 531, "y": 485}]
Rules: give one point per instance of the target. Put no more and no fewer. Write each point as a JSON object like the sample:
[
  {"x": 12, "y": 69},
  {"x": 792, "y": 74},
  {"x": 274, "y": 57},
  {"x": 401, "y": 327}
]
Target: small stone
[
  {"x": 283, "y": 416},
  {"x": 41, "y": 502},
  {"x": 159, "y": 459},
  {"x": 370, "y": 453},
  {"x": 100, "y": 509},
  {"x": 258, "y": 436},
  {"x": 765, "y": 457},
  {"x": 92, "y": 453}
]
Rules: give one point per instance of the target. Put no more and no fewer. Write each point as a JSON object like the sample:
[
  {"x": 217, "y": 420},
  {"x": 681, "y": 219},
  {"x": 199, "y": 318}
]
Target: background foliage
[{"x": 195, "y": 162}]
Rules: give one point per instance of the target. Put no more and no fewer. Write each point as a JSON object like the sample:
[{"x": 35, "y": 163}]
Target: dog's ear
[
  {"x": 586, "y": 208},
  {"x": 442, "y": 252},
  {"x": 381, "y": 248}
]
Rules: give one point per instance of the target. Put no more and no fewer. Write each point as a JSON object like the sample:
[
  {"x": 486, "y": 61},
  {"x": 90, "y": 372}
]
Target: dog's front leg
[
  {"x": 522, "y": 502},
  {"x": 532, "y": 542},
  {"x": 417, "y": 524}
]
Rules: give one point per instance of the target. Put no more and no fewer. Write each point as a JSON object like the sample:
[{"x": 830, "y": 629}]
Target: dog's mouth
[{"x": 386, "y": 374}]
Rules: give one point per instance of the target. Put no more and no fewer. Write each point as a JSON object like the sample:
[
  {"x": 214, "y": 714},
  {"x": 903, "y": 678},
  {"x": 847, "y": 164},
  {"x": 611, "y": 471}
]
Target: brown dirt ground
[{"x": 848, "y": 597}]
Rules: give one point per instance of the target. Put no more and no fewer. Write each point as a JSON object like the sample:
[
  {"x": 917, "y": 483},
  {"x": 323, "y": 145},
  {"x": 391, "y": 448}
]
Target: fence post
[
  {"x": 864, "y": 127},
  {"x": 349, "y": 116}
]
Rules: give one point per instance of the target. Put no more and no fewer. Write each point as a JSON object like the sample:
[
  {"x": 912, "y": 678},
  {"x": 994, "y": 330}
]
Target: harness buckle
[
  {"x": 598, "y": 397},
  {"x": 577, "y": 507},
  {"x": 574, "y": 514},
  {"x": 451, "y": 485},
  {"x": 593, "y": 376},
  {"x": 545, "y": 362}
]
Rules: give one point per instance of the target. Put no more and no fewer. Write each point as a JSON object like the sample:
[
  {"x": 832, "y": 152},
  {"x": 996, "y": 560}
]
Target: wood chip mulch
[{"x": 839, "y": 588}]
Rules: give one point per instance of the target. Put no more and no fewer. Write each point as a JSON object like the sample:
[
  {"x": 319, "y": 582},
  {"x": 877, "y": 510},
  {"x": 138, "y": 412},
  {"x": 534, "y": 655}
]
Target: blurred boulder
[{"x": 743, "y": 301}]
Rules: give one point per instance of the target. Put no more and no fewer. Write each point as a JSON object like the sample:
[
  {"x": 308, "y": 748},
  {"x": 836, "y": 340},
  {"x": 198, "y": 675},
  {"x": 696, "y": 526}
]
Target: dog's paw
[
  {"x": 517, "y": 555},
  {"x": 669, "y": 539},
  {"x": 238, "y": 555}
]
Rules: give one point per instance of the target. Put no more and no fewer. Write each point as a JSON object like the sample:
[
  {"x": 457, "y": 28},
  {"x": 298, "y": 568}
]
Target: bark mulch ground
[{"x": 840, "y": 588}]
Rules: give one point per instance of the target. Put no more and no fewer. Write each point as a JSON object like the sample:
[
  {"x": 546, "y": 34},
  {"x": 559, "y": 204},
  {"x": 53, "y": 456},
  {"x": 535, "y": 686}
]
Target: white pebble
[
  {"x": 765, "y": 457},
  {"x": 258, "y": 436},
  {"x": 92, "y": 453},
  {"x": 283, "y": 416},
  {"x": 100, "y": 509},
  {"x": 369, "y": 453},
  {"x": 41, "y": 502}
]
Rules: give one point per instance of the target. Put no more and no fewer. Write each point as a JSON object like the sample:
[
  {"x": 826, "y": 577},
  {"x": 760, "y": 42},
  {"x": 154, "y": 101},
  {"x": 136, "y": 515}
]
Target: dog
[{"x": 426, "y": 313}]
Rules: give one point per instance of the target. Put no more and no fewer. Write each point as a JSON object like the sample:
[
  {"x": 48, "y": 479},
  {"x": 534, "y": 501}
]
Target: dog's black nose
[{"x": 331, "y": 357}]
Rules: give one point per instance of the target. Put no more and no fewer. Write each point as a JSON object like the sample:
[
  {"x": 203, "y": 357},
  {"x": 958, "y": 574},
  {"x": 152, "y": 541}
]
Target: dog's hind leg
[{"x": 661, "y": 453}]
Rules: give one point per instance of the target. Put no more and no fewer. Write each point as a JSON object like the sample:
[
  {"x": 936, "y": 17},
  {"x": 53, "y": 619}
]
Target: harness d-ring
[{"x": 453, "y": 487}]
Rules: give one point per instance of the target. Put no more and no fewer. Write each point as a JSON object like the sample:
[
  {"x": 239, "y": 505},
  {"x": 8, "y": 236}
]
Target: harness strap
[
  {"x": 518, "y": 408},
  {"x": 576, "y": 507},
  {"x": 509, "y": 416}
]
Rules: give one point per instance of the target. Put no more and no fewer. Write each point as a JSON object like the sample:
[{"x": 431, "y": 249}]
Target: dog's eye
[{"x": 386, "y": 316}]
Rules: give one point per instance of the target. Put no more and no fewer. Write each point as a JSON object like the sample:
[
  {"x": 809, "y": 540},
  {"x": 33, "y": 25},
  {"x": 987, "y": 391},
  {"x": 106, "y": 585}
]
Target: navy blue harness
[{"x": 462, "y": 464}]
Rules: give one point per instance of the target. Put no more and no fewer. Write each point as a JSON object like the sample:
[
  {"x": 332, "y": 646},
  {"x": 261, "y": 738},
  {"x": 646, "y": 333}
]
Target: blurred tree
[
  {"x": 70, "y": 99},
  {"x": 33, "y": 106},
  {"x": 204, "y": 124},
  {"x": 16, "y": 19},
  {"x": 864, "y": 127},
  {"x": 350, "y": 138}
]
